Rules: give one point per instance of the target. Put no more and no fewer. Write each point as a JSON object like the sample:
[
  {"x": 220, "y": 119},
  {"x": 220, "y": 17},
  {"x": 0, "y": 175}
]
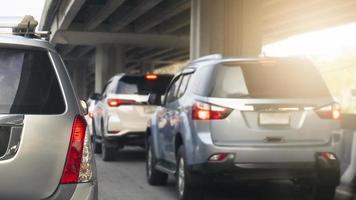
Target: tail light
[
  {"x": 151, "y": 77},
  {"x": 206, "y": 111},
  {"x": 328, "y": 156},
  {"x": 120, "y": 102},
  {"x": 218, "y": 157},
  {"x": 78, "y": 166},
  {"x": 221, "y": 157},
  {"x": 332, "y": 111}
]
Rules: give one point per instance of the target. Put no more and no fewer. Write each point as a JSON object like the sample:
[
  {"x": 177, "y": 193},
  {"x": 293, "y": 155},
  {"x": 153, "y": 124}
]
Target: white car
[
  {"x": 122, "y": 112},
  {"x": 89, "y": 117}
]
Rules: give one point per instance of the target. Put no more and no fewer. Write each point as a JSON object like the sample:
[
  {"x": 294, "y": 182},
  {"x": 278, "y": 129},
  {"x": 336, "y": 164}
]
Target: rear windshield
[
  {"x": 269, "y": 80},
  {"x": 141, "y": 86},
  {"x": 28, "y": 83}
]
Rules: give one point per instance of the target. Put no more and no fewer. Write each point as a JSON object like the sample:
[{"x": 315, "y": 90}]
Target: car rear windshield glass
[
  {"x": 28, "y": 83},
  {"x": 268, "y": 80},
  {"x": 140, "y": 85}
]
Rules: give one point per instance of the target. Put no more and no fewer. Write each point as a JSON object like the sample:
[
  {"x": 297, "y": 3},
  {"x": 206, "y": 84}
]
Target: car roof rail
[
  {"x": 208, "y": 57},
  {"x": 26, "y": 27}
]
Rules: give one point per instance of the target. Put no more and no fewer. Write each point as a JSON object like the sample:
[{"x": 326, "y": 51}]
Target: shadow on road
[
  {"x": 131, "y": 155},
  {"x": 266, "y": 191}
]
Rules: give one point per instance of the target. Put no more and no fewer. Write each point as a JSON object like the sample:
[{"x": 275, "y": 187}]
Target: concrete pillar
[
  {"x": 119, "y": 59},
  {"x": 229, "y": 27},
  {"x": 109, "y": 60},
  {"x": 78, "y": 71}
]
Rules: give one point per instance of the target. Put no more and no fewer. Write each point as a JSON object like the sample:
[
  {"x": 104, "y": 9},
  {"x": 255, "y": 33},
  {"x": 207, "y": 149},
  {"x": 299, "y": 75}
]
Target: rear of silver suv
[
  {"x": 45, "y": 150},
  {"x": 246, "y": 119}
]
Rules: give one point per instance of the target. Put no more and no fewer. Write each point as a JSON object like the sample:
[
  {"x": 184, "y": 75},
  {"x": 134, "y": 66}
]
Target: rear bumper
[
  {"x": 81, "y": 191},
  {"x": 322, "y": 169},
  {"x": 204, "y": 148},
  {"x": 130, "y": 138},
  {"x": 230, "y": 171},
  {"x": 85, "y": 192},
  {"x": 119, "y": 124},
  {"x": 258, "y": 163}
]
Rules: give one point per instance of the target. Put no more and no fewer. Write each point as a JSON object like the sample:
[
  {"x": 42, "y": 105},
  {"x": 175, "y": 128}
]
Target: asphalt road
[{"x": 124, "y": 179}]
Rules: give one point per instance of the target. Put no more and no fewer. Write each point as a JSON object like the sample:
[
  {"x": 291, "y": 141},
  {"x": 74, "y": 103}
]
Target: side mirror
[
  {"x": 154, "y": 99},
  {"x": 96, "y": 96},
  {"x": 84, "y": 106}
]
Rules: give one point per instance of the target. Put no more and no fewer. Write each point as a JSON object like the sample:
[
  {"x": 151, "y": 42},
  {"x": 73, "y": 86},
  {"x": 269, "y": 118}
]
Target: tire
[
  {"x": 96, "y": 146},
  {"x": 154, "y": 177},
  {"x": 187, "y": 187},
  {"x": 324, "y": 191},
  {"x": 107, "y": 153},
  {"x": 328, "y": 178}
]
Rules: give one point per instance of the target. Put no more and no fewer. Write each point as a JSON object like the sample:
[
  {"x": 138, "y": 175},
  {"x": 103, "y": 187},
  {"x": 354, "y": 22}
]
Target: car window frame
[
  {"x": 188, "y": 75},
  {"x": 105, "y": 89},
  {"x": 174, "y": 80}
]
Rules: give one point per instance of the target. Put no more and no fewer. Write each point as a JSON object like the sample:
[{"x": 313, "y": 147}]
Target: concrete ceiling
[{"x": 152, "y": 31}]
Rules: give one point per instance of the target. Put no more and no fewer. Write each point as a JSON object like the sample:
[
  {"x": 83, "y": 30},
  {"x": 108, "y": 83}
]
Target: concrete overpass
[{"x": 99, "y": 38}]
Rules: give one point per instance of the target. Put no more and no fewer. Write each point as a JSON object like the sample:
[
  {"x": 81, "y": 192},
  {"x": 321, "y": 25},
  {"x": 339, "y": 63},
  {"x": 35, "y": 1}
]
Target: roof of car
[
  {"x": 121, "y": 75},
  {"x": 23, "y": 41},
  {"x": 215, "y": 59}
]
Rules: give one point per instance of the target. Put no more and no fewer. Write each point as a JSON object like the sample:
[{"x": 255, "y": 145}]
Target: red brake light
[
  {"x": 75, "y": 152},
  {"x": 151, "y": 77},
  {"x": 332, "y": 111},
  {"x": 328, "y": 156},
  {"x": 119, "y": 102},
  {"x": 218, "y": 157},
  {"x": 205, "y": 111}
]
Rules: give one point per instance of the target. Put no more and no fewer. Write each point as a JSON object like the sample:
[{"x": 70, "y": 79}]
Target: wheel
[
  {"x": 187, "y": 187},
  {"x": 96, "y": 146},
  {"x": 324, "y": 191},
  {"x": 107, "y": 153},
  {"x": 328, "y": 178},
  {"x": 154, "y": 177}
]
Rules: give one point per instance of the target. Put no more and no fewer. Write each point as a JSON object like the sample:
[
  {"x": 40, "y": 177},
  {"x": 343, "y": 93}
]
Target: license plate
[{"x": 274, "y": 118}]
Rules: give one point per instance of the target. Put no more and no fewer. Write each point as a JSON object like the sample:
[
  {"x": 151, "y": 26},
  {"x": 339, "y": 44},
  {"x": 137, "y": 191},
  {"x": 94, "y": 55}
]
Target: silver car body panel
[{"x": 36, "y": 169}]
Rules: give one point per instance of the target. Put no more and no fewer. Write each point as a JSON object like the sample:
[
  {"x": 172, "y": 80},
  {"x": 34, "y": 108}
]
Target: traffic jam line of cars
[
  {"x": 235, "y": 119},
  {"x": 219, "y": 119}
]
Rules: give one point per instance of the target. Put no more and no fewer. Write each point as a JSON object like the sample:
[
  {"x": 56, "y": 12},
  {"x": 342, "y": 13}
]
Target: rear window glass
[
  {"x": 28, "y": 83},
  {"x": 141, "y": 86},
  {"x": 268, "y": 80}
]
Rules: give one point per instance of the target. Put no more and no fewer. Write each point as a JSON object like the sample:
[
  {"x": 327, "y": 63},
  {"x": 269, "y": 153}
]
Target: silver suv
[
  {"x": 45, "y": 151},
  {"x": 246, "y": 119}
]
